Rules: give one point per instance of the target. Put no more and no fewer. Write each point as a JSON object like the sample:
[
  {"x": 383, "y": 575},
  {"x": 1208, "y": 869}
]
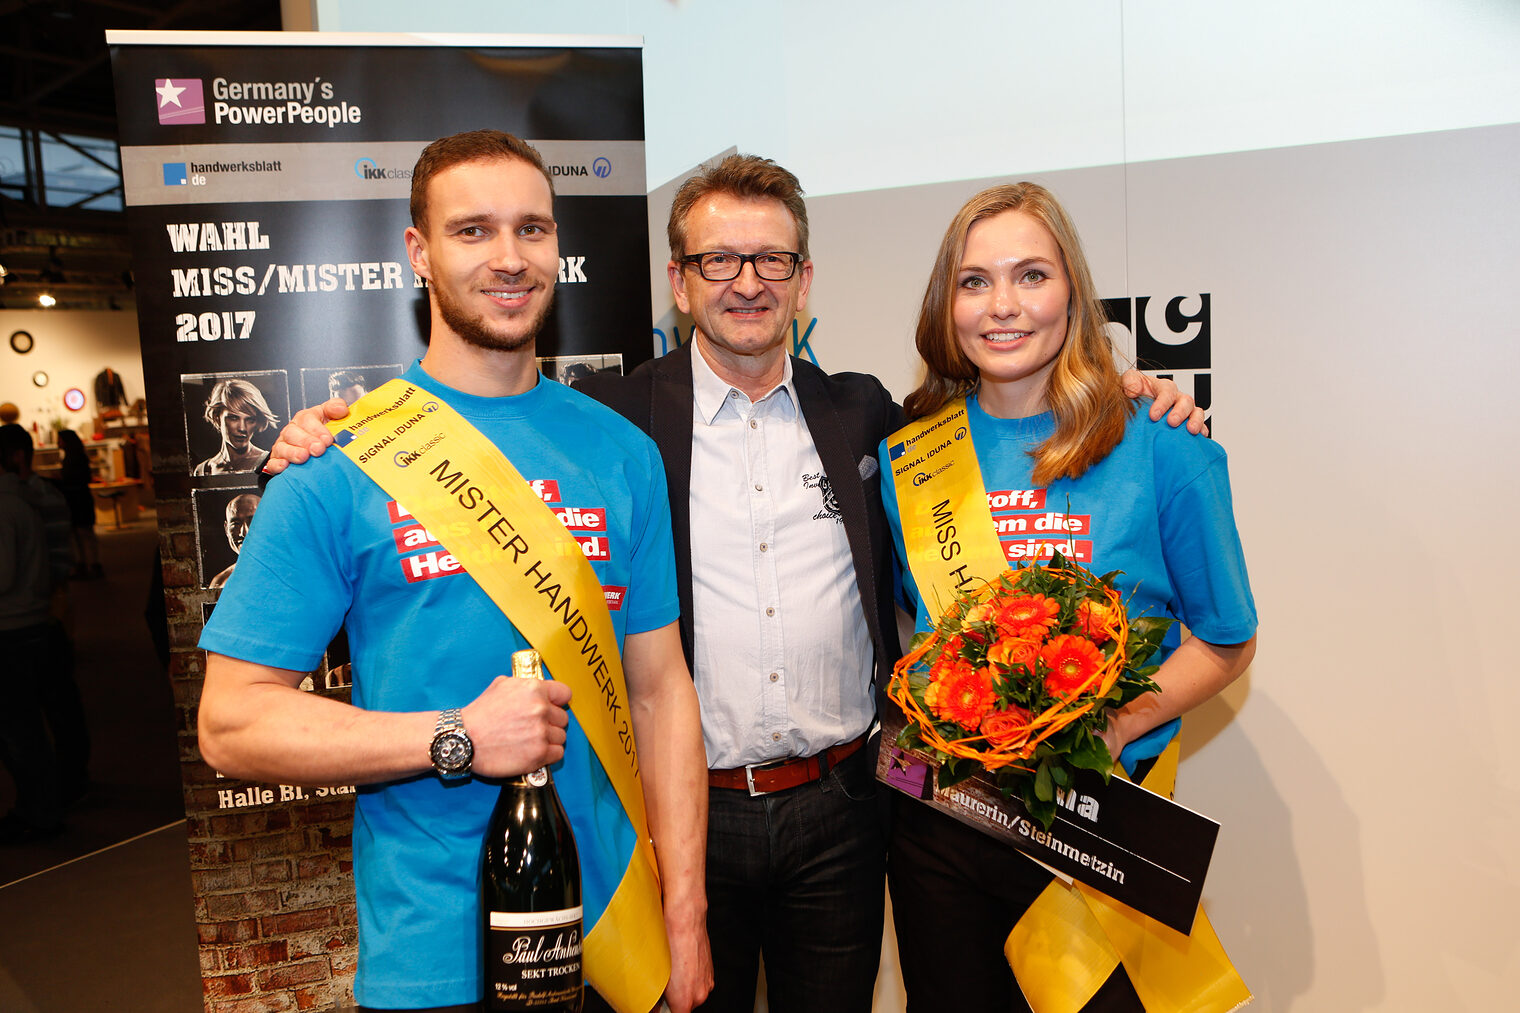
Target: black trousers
[
  {"x": 797, "y": 875},
  {"x": 25, "y": 745},
  {"x": 956, "y": 894}
]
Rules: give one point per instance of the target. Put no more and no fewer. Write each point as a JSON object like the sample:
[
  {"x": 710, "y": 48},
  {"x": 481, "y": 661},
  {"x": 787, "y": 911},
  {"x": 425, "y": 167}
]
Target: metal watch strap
[
  {"x": 451, "y": 719},
  {"x": 451, "y": 726}
]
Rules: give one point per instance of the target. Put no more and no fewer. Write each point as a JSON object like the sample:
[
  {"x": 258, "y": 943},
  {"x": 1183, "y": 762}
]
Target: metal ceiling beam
[{"x": 164, "y": 19}]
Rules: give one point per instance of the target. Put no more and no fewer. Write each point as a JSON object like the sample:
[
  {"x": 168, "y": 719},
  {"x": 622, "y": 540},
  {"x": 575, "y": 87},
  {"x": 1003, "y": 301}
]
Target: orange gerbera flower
[
  {"x": 943, "y": 670},
  {"x": 947, "y": 660},
  {"x": 1015, "y": 651},
  {"x": 1007, "y": 729},
  {"x": 1094, "y": 618},
  {"x": 965, "y": 695},
  {"x": 953, "y": 647},
  {"x": 1071, "y": 661},
  {"x": 1029, "y": 616}
]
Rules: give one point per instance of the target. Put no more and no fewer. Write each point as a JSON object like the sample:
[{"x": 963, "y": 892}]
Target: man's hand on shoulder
[
  {"x": 517, "y": 725},
  {"x": 1167, "y": 399},
  {"x": 305, "y": 436}
]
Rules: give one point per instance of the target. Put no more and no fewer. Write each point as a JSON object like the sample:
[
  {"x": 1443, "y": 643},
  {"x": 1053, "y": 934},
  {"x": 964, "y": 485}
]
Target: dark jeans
[
  {"x": 25, "y": 746},
  {"x": 64, "y": 710},
  {"x": 956, "y": 894},
  {"x": 797, "y": 875}
]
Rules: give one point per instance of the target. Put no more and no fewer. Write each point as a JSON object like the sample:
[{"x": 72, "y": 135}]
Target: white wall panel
[{"x": 882, "y": 93}]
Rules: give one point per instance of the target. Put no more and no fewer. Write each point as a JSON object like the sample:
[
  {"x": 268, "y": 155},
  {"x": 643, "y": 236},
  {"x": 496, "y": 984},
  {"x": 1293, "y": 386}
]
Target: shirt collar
[{"x": 710, "y": 392}]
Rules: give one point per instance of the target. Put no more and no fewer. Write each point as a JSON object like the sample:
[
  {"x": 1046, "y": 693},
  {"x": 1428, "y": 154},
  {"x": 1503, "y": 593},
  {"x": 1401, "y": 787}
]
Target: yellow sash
[
  {"x": 464, "y": 491},
  {"x": 1072, "y": 938}
]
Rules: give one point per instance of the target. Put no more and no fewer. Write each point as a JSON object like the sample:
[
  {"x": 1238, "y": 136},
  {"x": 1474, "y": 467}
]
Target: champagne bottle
[{"x": 532, "y": 892}]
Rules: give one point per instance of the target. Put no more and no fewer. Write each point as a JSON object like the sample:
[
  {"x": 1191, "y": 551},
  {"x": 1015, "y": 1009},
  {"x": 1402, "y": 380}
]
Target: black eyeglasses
[{"x": 772, "y": 265}]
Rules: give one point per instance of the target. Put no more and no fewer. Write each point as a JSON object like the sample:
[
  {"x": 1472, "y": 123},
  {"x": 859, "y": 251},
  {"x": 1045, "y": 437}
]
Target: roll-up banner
[{"x": 267, "y": 177}]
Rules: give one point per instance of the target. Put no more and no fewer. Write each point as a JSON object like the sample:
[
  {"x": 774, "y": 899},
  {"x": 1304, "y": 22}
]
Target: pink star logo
[{"x": 180, "y": 100}]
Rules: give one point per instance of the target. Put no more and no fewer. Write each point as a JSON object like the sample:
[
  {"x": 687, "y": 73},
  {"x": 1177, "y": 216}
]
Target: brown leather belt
[{"x": 779, "y": 775}]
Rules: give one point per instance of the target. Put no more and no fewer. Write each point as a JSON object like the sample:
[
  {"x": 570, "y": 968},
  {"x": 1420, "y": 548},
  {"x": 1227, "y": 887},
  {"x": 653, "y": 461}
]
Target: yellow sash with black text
[
  {"x": 430, "y": 459},
  {"x": 1072, "y": 938}
]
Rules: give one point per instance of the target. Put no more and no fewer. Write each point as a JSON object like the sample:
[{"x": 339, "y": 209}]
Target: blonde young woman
[
  {"x": 239, "y": 412},
  {"x": 1011, "y": 324}
]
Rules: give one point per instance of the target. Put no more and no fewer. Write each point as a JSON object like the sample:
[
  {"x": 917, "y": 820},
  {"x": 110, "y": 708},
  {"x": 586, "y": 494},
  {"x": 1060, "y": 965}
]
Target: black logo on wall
[{"x": 1172, "y": 342}]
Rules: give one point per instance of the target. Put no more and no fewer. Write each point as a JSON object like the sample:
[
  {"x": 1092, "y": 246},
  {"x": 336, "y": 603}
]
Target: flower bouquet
[{"x": 1018, "y": 677}]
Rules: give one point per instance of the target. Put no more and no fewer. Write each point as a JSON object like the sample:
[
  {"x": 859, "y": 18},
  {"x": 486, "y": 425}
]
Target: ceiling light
[{"x": 46, "y": 301}]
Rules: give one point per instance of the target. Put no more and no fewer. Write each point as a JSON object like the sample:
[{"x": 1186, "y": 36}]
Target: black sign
[{"x": 1131, "y": 844}]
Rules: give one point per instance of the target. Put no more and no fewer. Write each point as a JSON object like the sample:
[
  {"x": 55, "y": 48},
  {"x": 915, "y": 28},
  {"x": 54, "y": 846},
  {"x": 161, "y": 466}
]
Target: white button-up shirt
[{"x": 783, "y": 658}]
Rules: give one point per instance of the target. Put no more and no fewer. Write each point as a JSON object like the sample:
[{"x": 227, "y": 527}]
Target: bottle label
[{"x": 533, "y": 959}]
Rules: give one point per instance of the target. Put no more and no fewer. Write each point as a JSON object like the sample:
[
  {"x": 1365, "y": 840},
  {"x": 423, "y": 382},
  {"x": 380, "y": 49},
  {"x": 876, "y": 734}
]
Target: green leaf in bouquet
[
  {"x": 1044, "y": 787},
  {"x": 1092, "y": 753},
  {"x": 1060, "y": 774},
  {"x": 1146, "y": 634},
  {"x": 910, "y": 737},
  {"x": 955, "y": 770},
  {"x": 1010, "y": 781},
  {"x": 918, "y": 640},
  {"x": 1006, "y": 685},
  {"x": 1109, "y": 577},
  {"x": 1041, "y": 809},
  {"x": 918, "y": 681},
  {"x": 1056, "y": 745}
]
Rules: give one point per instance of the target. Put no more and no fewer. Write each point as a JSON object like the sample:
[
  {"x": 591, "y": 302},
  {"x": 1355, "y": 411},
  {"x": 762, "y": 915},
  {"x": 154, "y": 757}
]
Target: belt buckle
[{"x": 749, "y": 774}]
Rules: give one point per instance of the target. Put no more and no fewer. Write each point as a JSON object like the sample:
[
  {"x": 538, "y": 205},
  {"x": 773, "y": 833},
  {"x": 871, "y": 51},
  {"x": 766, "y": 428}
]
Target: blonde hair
[
  {"x": 242, "y": 397},
  {"x": 1090, "y": 407}
]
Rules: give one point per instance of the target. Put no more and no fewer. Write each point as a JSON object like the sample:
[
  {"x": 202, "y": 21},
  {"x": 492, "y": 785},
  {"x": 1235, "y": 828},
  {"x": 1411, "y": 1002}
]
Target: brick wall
[{"x": 271, "y": 865}]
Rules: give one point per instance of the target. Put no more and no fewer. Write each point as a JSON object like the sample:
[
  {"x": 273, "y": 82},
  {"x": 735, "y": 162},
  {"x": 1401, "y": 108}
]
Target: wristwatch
[{"x": 452, "y": 749}]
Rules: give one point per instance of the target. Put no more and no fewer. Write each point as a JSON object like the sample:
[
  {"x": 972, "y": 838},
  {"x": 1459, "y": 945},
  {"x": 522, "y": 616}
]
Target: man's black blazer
[{"x": 847, "y": 415}]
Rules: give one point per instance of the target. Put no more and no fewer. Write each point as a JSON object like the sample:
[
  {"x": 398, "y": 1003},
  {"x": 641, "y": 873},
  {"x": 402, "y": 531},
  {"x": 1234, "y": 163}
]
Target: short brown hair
[
  {"x": 470, "y": 146},
  {"x": 738, "y": 176},
  {"x": 1089, "y": 405}
]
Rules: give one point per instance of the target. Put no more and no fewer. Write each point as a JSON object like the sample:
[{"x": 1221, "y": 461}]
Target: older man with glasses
[{"x": 783, "y": 562}]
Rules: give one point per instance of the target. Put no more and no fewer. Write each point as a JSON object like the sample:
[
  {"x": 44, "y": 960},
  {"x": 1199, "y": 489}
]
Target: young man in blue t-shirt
[{"x": 331, "y": 549}]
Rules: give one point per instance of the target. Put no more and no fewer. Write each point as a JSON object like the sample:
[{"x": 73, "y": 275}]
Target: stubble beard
[{"x": 474, "y": 330}]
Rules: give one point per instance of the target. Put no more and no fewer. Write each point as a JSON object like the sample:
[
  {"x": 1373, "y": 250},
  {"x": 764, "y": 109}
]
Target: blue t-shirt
[
  {"x": 329, "y": 548},
  {"x": 1157, "y": 507}
]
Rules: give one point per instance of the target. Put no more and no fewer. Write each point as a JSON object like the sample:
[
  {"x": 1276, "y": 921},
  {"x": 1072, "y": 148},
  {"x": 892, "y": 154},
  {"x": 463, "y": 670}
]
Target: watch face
[{"x": 452, "y": 751}]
